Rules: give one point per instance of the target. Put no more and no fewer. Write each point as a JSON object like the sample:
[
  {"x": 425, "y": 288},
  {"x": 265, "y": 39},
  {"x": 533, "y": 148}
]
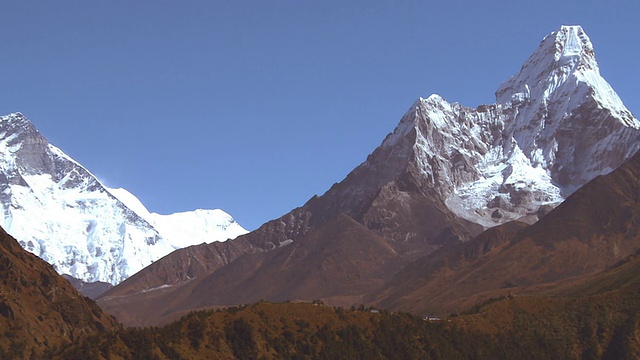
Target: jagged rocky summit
[
  {"x": 555, "y": 125},
  {"x": 61, "y": 212}
]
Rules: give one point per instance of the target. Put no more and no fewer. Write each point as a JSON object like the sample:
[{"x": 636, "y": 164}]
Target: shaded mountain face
[
  {"x": 83, "y": 228},
  {"x": 39, "y": 310},
  {"x": 447, "y": 172},
  {"x": 91, "y": 290},
  {"x": 594, "y": 229}
]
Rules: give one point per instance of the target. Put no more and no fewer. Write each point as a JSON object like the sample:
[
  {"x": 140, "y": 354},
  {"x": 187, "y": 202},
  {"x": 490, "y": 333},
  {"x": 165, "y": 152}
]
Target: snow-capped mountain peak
[
  {"x": 563, "y": 69},
  {"x": 558, "y": 56},
  {"x": 61, "y": 212},
  {"x": 555, "y": 125},
  {"x": 182, "y": 229}
]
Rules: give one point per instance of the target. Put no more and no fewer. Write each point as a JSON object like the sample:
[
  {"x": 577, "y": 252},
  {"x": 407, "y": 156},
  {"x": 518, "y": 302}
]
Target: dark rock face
[{"x": 91, "y": 290}]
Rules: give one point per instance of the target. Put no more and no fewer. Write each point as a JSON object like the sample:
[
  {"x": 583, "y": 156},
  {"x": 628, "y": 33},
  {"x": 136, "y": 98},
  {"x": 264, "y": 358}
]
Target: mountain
[
  {"x": 594, "y": 229},
  {"x": 556, "y": 125},
  {"x": 445, "y": 174},
  {"x": 39, "y": 310},
  {"x": 83, "y": 228},
  {"x": 339, "y": 261}
]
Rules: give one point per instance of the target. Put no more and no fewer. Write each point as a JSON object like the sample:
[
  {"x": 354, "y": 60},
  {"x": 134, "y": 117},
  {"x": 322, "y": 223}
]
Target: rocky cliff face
[{"x": 63, "y": 214}]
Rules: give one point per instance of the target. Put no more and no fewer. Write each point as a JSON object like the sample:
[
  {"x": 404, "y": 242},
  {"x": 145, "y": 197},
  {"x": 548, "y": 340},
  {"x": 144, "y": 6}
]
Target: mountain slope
[
  {"x": 337, "y": 262},
  {"x": 83, "y": 228},
  {"x": 594, "y": 319},
  {"x": 39, "y": 310},
  {"x": 592, "y": 230}
]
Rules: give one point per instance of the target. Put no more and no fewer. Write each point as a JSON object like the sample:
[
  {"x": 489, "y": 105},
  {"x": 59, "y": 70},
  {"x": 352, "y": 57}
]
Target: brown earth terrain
[{"x": 39, "y": 310}]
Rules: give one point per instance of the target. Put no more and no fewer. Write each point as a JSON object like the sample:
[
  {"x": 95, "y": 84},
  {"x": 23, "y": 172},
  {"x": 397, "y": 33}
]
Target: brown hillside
[
  {"x": 596, "y": 317},
  {"x": 293, "y": 331},
  {"x": 39, "y": 310}
]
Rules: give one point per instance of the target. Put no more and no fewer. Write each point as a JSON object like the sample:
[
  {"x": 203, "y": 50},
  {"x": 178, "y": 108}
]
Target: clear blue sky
[{"x": 255, "y": 106}]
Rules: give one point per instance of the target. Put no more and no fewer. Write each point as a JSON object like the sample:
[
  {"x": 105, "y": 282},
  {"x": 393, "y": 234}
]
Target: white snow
[
  {"x": 187, "y": 228},
  {"x": 59, "y": 211},
  {"x": 131, "y": 201},
  {"x": 196, "y": 227}
]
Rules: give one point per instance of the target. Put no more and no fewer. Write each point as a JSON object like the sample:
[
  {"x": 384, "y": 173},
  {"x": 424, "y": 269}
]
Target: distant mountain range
[
  {"x": 445, "y": 175},
  {"x": 65, "y": 215}
]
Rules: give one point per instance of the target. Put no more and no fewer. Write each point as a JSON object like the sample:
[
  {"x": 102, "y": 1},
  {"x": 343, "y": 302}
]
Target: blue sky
[{"x": 255, "y": 106}]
